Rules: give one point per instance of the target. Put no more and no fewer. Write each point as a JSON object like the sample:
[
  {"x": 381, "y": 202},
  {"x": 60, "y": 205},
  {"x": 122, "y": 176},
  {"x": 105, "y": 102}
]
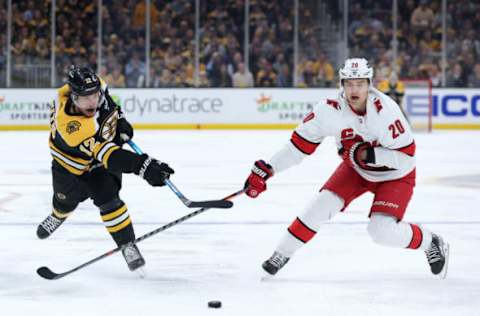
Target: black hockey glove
[
  {"x": 124, "y": 132},
  {"x": 154, "y": 171}
]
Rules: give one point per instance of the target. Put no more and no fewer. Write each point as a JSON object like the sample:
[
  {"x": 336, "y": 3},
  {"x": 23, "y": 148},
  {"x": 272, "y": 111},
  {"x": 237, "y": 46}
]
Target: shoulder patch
[
  {"x": 73, "y": 126},
  {"x": 309, "y": 117},
  {"x": 378, "y": 105},
  {"x": 333, "y": 103}
]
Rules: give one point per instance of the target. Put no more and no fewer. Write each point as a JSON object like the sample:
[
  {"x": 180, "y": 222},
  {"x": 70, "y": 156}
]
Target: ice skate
[
  {"x": 437, "y": 256},
  {"x": 275, "y": 263},
  {"x": 48, "y": 226},
  {"x": 132, "y": 256}
]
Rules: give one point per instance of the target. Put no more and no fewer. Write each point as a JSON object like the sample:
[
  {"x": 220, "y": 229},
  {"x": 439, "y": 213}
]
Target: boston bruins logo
[{"x": 73, "y": 126}]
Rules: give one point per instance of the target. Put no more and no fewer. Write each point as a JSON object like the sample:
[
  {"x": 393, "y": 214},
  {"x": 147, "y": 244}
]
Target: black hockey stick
[
  {"x": 187, "y": 202},
  {"x": 48, "y": 274}
]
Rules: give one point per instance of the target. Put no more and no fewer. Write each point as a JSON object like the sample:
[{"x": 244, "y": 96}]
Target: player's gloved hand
[
  {"x": 256, "y": 181},
  {"x": 124, "y": 131},
  {"x": 359, "y": 154},
  {"x": 347, "y": 144},
  {"x": 154, "y": 171}
]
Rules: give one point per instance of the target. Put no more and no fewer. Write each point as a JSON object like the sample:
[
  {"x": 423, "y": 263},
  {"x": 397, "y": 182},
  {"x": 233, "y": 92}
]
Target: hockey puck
[{"x": 214, "y": 304}]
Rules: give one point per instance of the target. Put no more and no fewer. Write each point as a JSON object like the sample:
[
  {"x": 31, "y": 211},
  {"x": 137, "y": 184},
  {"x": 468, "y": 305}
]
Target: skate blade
[
  {"x": 141, "y": 272},
  {"x": 443, "y": 274},
  {"x": 266, "y": 277}
]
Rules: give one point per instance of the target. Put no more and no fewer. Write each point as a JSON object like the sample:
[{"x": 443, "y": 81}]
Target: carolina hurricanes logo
[{"x": 348, "y": 133}]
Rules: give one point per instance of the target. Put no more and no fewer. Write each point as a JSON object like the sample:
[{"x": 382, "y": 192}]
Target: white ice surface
[{"x": 217, "y": 255}]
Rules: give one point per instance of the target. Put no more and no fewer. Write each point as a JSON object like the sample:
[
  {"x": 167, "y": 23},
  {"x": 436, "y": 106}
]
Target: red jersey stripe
[
  {"x": 302, "y": 144},
  {"x": 301, "y": 231},
  {"x": 417, "y": 237},
  {"x": 409, "y": 150}
]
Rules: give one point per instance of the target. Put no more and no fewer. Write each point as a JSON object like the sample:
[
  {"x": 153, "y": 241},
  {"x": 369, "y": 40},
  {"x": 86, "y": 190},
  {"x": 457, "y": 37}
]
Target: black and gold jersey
[
  {"x": 78, "y": 142},
  {"x": 395, "y": 91}
]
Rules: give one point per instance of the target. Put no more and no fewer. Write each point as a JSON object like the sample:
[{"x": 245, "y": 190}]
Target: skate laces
[
  {"x": 278, "y": 260},
  {"x": 51, "y": 223},
  {"x": 434, "y": 253}
]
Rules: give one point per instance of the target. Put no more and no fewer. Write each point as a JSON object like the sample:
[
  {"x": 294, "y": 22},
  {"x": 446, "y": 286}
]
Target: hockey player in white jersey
[{"x": 378, "y": 151}]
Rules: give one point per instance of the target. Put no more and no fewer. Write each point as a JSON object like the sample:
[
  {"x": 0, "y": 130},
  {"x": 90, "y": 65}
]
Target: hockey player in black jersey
[{"x": 87, "y": 133}]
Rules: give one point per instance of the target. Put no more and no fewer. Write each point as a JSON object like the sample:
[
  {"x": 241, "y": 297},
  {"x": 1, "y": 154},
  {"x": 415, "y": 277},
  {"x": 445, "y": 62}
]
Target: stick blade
[
  {"x": 212, "y": 204},
  {"x": 48, "y": 274}
]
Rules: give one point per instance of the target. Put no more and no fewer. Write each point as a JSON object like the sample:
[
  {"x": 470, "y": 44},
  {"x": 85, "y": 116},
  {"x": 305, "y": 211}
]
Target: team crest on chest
[{"x": 73, "y": 126}]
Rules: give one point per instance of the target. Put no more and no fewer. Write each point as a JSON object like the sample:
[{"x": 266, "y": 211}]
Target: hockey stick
[
  {"x": 189, "y": 203},
  {"x": 48, "y": 274}
]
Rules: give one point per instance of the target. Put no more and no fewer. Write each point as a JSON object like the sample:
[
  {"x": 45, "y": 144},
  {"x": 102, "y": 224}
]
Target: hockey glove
[
  {"x": 359, "y": 154},
  {"x": 124, "y": 132},
  {"x": 154, "y": 171},
  {"x": 256, "y": 181}
]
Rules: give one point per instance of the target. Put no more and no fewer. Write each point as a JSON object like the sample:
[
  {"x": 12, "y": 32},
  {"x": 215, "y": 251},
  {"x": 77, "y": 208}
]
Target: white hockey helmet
[{"x": 355, "y": 68}]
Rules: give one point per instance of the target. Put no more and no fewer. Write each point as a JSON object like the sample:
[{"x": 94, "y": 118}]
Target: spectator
[
  {"x": 455, "y": 77},
  {"x": 166, "y": 79},
  {"x": 435, "y": 76},
  {"x": 116, "y": 79},
  {"x": 324, "y": 70},
  {"x": 242, "y": 78},
  {"x": 204, "y": 82},
  {"x": 225, "y": 79},
  {"x": 422, "y": 17},
  {"x": 284, "y": 78},
  {"x": 474, "y": 78},
  {"x": 266, "y": 77},
  {"x": 135, "y": 72}
]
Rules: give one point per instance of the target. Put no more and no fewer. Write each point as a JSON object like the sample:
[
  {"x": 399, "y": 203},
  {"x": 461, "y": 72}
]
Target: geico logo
[
  {"x": 443, "y": 105},
  {"x": 172, "y": 104}
]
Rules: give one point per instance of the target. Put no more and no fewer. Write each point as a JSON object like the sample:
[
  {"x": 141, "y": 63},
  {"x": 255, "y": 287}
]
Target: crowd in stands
[
  {"x": 223, "y": 60},
  {"x": 419, "y": 39}
]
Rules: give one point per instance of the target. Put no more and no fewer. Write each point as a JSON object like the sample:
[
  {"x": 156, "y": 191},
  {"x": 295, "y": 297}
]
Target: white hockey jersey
[{"x": 382, "y": 125}]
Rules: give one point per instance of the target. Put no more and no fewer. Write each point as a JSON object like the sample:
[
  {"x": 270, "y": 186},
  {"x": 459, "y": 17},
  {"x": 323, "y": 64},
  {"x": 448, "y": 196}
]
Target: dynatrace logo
[
  {"x": 169, "y": 104},
  {"x": 451, "y": 105}
]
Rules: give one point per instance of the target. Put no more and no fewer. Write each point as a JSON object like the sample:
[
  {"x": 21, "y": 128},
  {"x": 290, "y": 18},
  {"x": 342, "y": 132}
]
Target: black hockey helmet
[{"x": 83, "y": 81}]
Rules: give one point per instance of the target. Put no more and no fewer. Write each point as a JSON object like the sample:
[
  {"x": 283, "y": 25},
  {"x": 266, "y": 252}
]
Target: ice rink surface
[{"x": 217, "y": 255}]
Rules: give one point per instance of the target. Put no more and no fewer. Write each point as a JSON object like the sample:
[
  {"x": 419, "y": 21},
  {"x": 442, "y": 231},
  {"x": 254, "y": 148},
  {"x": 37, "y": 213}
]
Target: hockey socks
[{"x": 117, "y": 221}]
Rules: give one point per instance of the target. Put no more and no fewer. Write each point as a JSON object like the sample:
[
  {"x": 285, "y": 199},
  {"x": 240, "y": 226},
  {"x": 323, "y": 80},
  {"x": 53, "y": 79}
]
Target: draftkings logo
[
  {"x": 73, "y": 126},
  {"x": 287, "y": 110}
]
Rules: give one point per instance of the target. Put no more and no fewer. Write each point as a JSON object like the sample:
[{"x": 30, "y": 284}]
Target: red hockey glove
[
  {"x": 359, "y": 154},
  {"x": 256, "y": 181}
]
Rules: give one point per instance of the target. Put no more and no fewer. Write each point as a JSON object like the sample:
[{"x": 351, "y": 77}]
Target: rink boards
[{"x": 28, "y": 109}]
